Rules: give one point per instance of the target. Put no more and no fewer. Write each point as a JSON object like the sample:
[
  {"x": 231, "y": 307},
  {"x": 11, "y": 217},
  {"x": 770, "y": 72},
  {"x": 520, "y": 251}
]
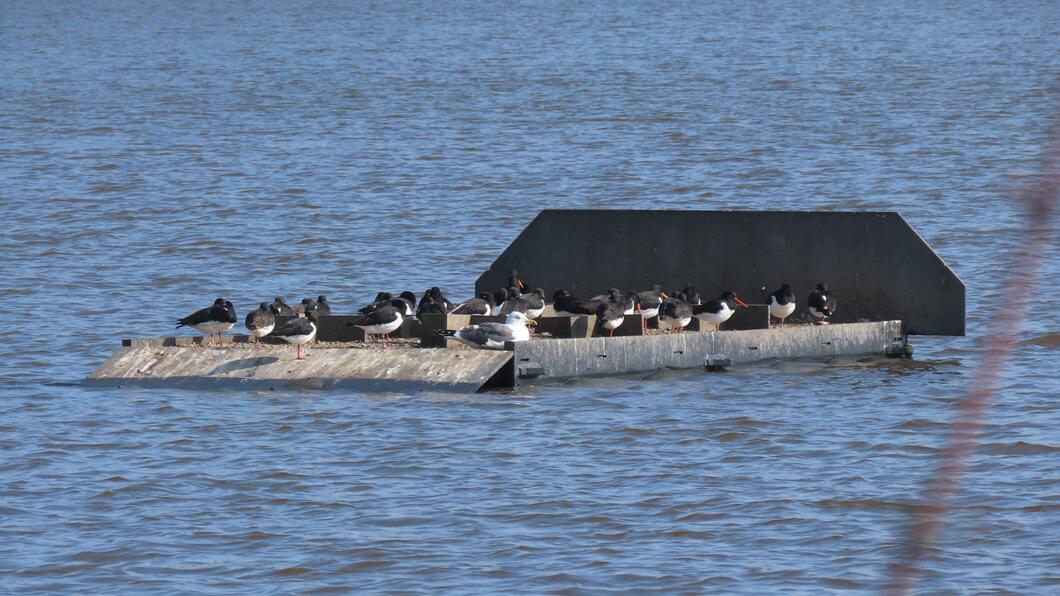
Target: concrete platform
[
  {"x": 537, "y": 362},
  {"x": 236, "y": 365},
  {"x": 405, "y": 367}
]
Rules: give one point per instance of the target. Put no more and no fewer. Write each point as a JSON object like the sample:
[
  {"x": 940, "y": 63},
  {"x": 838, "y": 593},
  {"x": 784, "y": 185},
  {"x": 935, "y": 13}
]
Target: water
[{"x": 155, "y": 156}]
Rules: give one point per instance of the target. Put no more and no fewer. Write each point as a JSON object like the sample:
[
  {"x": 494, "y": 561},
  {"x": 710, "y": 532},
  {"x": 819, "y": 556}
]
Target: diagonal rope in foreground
[{"x": 1040, "y": 200}]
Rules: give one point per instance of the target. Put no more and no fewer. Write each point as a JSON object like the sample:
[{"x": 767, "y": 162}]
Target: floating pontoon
[{"x": 890, "y": 285}]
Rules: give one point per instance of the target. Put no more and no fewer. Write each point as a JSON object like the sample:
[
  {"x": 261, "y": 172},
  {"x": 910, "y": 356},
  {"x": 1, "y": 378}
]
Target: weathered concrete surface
[
  {"x": 550, "y": 360},
  {"x": 268, "y": 367},
  {"x": 877, "y": 265},
  {"x": 404, "y": 367}
]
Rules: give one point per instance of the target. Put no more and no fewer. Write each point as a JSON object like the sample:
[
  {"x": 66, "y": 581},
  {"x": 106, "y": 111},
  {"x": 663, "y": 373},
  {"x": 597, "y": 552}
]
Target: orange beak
[
  {"x": 522, "y": 284},
  {"x": 741, "y": 302},
  {"x": 663, "y": 294}
]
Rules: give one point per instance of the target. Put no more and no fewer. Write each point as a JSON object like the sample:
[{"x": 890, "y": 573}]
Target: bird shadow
[{"x": 244, "y": 363}]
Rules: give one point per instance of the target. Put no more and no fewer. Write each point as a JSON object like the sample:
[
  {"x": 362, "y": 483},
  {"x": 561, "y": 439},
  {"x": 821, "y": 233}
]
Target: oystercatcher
[
  {"x": 322, "y": 308},
  {"x": 383, "y": 320},
  {"x": 483, "y": 305},
  {"x": 498, "y": 299},
  {"x": 282, "y": 308},
  {"x": 781, "y": 303},
  {"x": 675, "y": 313},
  {"x": 410, "y": 303},
  {"x": 610, "y": 315},
  {"x": 822, "y": 304},
  {"x": 298, "y": 331},
  {"x": 718, "y": 311},
  {"x": 261, "y": 321},
  {"x": 436, "y": 293},
  {"x": 566, "y": 305},
  {"x": 214, "y": 319},
  {"x": 650, "y": 301}
]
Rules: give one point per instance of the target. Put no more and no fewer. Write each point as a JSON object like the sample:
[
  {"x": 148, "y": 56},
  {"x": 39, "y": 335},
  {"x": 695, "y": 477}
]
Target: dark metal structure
[{"x": 877, "y": 265}]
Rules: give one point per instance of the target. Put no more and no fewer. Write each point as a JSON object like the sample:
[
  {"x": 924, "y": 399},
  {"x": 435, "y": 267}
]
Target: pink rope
[{"x": 1003, "y": 334}]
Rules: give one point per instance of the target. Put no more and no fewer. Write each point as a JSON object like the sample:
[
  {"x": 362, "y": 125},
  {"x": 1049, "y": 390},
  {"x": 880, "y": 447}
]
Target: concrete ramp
[{"x": 150, "y": 363}]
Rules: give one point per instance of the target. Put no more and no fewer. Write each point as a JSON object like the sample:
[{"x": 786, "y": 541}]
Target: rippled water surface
[{"x": 155, "y": 155}]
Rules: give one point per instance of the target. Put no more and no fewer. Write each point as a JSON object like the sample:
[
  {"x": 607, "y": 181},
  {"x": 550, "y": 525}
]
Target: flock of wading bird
[{"x": 517, "y": 303}]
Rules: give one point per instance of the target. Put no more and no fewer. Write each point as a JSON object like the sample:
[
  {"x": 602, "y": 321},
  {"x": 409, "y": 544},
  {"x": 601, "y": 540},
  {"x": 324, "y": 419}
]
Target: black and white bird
[
  {"x": 410, "y": 303},
  {"x": 381, "y": 299},
  {"x": 567, "y": 305},
  {"x": 675, "y": 313},
  {"x": 493, "y": 336},
  {"x": 720, "y": 310},
  {"x": 298, "y": 331},
  {"x": 513, "y": 302},
  {"x": 822, "y": 304},
  {"x": 692, "y": 296},
  {"x": 781, "y": 303},
  {"x": 498, "y": 300},
  {"x": 483, "y": 305},
  {"x": 535, "y": 303},
  {"x": 321, "y": 308},
  {"x": 610, "y": 315},
  {"x": 430, "y": 306},
  {"x": 215, "y": 319},
  {"x": 436, "y": 293},
  {"x": 515, "y": 281},
  {"x": 383, "y": 320},
  {"x": 532, "y": 304},
  {"x": 612, "y": 295},
  {"x": 261, "y": 321},
  {"x": 650, "y": 301},
  {"x": 631, "y": 303},
  {"x": 282, "y": 308}
]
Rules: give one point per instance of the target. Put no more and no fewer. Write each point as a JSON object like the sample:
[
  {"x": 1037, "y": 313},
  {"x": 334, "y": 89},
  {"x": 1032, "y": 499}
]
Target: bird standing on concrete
[
  {"x": 261, "y": 321},
  {"x": 383, "y": 320},
  {"x": 718, "y": 311},
  {"x": 493, "y": 336},
  {"x": 610, "y": 315},
  {"x": 298, "y": 331},
  {"x": 781, "y": 303},
  {"x": 675, "y": 313},
  {"x": 650, "y": 301},
  {"x": 214, "y": 319},
  {"x": 482, "y": 306},
  {"x": 567, "y": 305},
  {"x": 822, "y": 304}
]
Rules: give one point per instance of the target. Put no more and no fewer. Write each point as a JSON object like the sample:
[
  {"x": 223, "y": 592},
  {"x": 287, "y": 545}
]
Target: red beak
[{"x": 741, "y": 302}]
